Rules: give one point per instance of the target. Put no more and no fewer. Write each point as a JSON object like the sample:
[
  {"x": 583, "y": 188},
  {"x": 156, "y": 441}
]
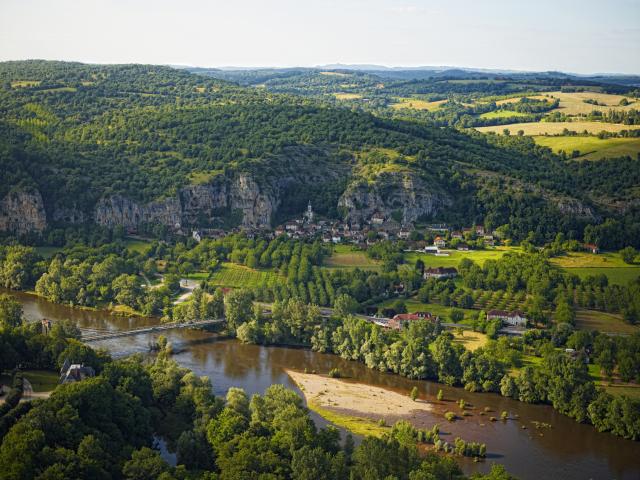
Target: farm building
[
  {"x": 515, "y": 318},
  {"x": 402, "y": 319},
  {"x": 440, "y": 272}
]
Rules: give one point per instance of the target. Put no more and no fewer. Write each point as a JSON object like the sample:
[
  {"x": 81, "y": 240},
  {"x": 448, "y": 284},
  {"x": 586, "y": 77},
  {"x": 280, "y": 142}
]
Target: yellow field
[
  {"x": 416, "y": 104},
  {"x": 592, "y": 148},
  {"x": 573, "y": 103},
  {"x": 584, "y": 259},
  {"x": 556, "y": 128},
  {"x": 516, "y": 99},
  {"x": 25, "y": 83},
  {"x": 347, "y": 96},
  {"x": 471, "y": 340},
  {"x": 334, "y": 74},
  {"x": 503, "y": 114}
]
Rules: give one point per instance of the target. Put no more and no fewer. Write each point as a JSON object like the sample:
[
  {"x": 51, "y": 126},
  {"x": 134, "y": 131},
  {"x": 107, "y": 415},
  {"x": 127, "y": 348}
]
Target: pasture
[
  {"x": 557, "y": 128},
  {"x": 503, "y": 114},
  {"x": 41, "y": 380},
  {"x": 603, "y": 322},
  {"x": 573, "y": 103},
  {"x": 585, "y": 264},
  {"x": 347, "y": 256},
  {"x": 416, "y": 104},
  {"x": 238, "y": 276},
  {"x": 137, "y": 244},
  {"x": 592, "y": 148},
  {"x": 471, "y": 340},
  {"x": 25, "y": 83},
  {"x": 347, "y": 96},
  {"x": 478, "y": 256}
]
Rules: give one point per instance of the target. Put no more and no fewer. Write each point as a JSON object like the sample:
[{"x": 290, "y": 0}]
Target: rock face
[
  {"x": 22, "y": 212},
  {"x": 194, "y": 205},
  {"x": 120, "y": 211},
  {"x": 403, "y": 196}
]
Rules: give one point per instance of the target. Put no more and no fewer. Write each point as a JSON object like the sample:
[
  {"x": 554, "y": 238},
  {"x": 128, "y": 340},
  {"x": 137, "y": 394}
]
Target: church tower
[{"x": 308, "y": 215}]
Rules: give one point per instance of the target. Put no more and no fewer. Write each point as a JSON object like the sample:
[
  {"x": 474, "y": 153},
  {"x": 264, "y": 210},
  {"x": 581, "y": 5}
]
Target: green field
[
  {"x": 41, "y": 380},
  {"x": 592, "y": 148},
  {"x": 585, "y": 264},
  {"x": 416, "y": 104},
  {"x": 347, "y": 256},
  {"x": 616, "y": 275},
  {"x": 48, "y": 252},
  {"x": 557, "y": 128},
  {"x": 137, "y": 245},
  {"x": 239, "y": 276},
  {"x": 603, "y": 322},
  {"x": 478, "y": 256},
  {"x": 503, "y": 114}
]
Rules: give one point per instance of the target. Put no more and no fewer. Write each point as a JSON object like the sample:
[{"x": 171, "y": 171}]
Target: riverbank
[{"x": 360, "y": 408}]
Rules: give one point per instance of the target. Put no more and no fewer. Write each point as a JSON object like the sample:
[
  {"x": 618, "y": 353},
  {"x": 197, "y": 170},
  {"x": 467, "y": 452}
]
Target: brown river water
[{"x": 567, "y": 450}]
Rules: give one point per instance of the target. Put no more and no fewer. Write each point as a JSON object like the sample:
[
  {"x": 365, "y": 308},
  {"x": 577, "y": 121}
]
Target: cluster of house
[
  {"x": 342, "y": 232},
  {"x": 515, "y": 322}
]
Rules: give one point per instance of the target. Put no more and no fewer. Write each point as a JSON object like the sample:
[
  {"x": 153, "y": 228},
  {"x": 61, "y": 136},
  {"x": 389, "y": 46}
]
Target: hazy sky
[{"x": 584, "y": 36}]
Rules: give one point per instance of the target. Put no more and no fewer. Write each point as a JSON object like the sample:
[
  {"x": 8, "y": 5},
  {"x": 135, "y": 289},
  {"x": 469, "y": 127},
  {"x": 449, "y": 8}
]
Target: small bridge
[{"x": 97, "y": 335}]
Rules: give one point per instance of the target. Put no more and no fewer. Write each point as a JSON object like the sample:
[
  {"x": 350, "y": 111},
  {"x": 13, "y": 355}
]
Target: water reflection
[{"x": 567, "y": 450}]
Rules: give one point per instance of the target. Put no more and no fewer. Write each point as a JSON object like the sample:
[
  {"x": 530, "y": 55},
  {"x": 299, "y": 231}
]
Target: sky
[{"x": 579, "y": 36}]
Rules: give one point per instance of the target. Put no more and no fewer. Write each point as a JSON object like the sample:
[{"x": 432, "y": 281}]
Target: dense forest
[{"x": 81, "y": 133}]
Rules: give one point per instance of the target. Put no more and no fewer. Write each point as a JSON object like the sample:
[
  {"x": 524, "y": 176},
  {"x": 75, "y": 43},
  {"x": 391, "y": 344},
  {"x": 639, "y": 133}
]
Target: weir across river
[{"x": 94, "y": 335}]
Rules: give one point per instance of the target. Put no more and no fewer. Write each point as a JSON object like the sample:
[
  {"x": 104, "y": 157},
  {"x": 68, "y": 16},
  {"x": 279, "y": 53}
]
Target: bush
[
  {"x": 450, "y": 416},
  {"x": 335, "y": 373}
]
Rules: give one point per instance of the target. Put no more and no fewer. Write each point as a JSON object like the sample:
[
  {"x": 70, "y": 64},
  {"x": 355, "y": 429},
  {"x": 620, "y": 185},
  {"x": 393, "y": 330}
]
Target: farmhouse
[
  {"x": 403, "y": 319},
  {"x": 440, "y": 272},
  {"x": 515, "y": 318},
  {"x": 70, "y": 373},
  {"x": 590, "y": 247},
  {"x": 457, "y": 235},
  {"x": 439, "y": 242}
]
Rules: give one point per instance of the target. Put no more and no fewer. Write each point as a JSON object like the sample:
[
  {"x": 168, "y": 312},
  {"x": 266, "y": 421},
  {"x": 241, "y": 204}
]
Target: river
[{"x": 567, "y": 450}]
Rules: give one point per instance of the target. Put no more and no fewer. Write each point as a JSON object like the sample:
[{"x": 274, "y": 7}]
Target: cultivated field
[
  {"x": 557, "y": 128},
  {"x": 239, "y": 276},
  {"x": 471, "y": 340},
  {"x": 592, "y": 148},
  {"x": 347, "y": 96},
  {"x": 478, "y": 256},
  {"x": 589, "y": 264},
  {"x": 502, "y": 114},
  {"x": 603, "y": 322},
  {"x": 346, "y": 256},
  {"x": 416, "y": 104},
  {"x": 572, "y": 103}
]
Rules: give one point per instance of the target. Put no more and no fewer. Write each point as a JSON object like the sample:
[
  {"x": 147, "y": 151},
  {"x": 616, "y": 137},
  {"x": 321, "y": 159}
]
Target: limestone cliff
[
  {"x": 403, "y": 196},
  {"x": 22, "y": 212}
]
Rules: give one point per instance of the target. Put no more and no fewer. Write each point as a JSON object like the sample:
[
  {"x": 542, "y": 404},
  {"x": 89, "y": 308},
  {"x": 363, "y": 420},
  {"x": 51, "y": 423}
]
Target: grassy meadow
[
  {"x": 238, "y": 276},
  {"x": 585, "y": 264},
  {"x": 503, "y": 114},
  {"x": 478, "y": 256},
  {"x": 603, "y": 322},
  {"x": 41, "y": 380},
  {"x": 592, "y": 148},
  {"x": 347, "y": 256},
  {"x": 347, "y": 96},
  {"x": 557, "y": 128},
  {"x": 416, "y": 104}
]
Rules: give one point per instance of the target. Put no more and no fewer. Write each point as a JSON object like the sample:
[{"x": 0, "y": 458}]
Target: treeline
[{"x": 422, "y": 351}]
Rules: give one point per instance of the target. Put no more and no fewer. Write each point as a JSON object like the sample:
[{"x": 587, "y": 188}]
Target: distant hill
[{"x": 150, "y": 147}]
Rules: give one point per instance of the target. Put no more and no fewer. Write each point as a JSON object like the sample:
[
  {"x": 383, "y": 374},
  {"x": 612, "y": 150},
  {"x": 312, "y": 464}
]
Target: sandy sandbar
[{"x": 361, "y": 400}]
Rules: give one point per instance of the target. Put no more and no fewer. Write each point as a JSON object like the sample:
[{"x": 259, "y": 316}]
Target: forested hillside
[{"x": 133, "y": 145}]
